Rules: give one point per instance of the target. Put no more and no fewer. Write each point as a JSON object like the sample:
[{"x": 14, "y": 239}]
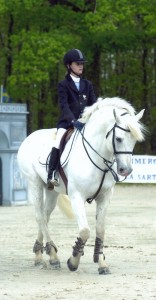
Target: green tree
[{"x": 117, "y": 37}]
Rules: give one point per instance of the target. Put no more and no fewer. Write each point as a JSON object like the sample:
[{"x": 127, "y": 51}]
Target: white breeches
[{"x": 60, "y": 133}]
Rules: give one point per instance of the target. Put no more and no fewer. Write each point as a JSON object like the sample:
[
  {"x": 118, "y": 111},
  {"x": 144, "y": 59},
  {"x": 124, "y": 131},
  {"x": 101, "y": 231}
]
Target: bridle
[
  {"x": 113, "y": 139},
  {"x": 107, "y": 163}
]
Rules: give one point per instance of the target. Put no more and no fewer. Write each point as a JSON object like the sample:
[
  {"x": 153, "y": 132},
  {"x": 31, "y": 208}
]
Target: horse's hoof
[
  {"x": 55, "y": 265},
  {"x": 70, "y": 266},
  {"x": 104, "y": 271},
  {"x": 40, "y": 264}
]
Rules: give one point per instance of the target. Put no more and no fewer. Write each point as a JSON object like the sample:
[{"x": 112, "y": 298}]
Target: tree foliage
[{"x": 117, "y": 37}]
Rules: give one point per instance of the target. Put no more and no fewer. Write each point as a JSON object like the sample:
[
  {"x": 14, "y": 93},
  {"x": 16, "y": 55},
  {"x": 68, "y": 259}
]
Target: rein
[{"x": 106, "y": 162}]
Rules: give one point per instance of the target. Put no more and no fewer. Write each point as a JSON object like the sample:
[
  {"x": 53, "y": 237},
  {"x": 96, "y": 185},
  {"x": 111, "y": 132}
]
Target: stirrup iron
[{"x": 55, "y": 179}]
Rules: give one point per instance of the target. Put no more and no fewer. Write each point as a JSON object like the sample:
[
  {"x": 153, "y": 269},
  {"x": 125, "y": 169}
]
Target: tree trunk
[
  {"x": 8, "y": 71},
  {"x": 94, "y": 72}
]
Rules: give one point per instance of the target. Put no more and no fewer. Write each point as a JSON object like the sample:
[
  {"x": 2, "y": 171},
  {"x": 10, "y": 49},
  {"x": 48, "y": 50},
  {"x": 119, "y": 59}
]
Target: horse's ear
[
  {"x": 139, "y": 115},
  {"x": 116, "y": 116}
]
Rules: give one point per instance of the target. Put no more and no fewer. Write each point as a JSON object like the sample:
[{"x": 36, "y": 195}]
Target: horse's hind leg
[
  {"x": 38, "y": 249},
  {"x": 36, "y": 193},
  {"x": 37, "y": 200},
  {"x": 51, "y": 249}
]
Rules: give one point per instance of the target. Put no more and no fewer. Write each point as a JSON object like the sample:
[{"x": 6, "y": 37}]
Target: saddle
[{"x": 65, "y": 138}]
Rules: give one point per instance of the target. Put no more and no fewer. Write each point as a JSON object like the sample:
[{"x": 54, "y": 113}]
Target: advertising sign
[{"x": 144, "y": 169}]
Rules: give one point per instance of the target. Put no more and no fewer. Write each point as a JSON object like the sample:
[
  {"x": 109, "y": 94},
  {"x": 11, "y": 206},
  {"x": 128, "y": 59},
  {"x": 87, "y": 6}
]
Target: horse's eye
[{"x": 119, "y": 140}]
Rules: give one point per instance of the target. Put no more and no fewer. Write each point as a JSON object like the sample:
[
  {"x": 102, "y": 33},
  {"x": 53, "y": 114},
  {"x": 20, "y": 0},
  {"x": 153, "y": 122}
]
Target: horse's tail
[{"x": 64, "y": 205}]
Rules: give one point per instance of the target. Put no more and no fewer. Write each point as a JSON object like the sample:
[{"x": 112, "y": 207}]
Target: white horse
[{"x": 93, "y": 160}]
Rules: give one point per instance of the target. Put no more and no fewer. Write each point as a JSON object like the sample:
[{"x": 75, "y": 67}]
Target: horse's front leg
[
  {"x": 84, "y": 232},
  {"x": 102, "y": 203}
]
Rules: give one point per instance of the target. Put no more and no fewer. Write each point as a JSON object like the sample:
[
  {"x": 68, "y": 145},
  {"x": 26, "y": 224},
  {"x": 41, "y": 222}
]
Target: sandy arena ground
[{"x": 130, "y": 252}]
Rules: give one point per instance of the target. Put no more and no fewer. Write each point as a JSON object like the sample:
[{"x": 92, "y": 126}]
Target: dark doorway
[{"x": 1, "y": 192}]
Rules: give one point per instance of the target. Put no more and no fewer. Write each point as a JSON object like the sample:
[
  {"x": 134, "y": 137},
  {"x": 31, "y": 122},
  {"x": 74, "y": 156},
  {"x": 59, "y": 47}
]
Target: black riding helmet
[{"x": 73, "y": 55}]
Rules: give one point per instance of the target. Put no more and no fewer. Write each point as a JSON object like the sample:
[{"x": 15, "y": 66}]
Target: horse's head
[
  {"x": 124, "y": 134},
  {"x": 117, "y": 119}
]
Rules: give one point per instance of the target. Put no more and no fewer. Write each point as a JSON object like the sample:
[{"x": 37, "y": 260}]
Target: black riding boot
[{"x": 52, "y": 180}]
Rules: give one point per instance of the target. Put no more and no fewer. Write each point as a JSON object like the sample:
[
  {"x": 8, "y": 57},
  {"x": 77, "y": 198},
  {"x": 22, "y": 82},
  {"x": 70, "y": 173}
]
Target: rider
[{"x": 74, "y": 95}]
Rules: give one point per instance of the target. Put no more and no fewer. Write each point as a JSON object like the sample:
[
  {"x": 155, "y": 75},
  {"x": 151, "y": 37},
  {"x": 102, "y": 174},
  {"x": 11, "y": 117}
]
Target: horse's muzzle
[{"x": 125, "y": 171}]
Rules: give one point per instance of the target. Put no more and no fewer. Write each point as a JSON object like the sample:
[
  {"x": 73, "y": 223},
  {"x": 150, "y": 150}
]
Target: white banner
[{"x": 144, "y": 169}]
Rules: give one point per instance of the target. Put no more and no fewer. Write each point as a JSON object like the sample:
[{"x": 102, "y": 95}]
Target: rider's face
[{"x": 77, "y": 68}]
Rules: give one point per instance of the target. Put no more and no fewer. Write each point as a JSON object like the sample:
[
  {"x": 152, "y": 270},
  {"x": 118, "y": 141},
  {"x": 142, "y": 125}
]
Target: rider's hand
[{"x": 77, "y": 124}]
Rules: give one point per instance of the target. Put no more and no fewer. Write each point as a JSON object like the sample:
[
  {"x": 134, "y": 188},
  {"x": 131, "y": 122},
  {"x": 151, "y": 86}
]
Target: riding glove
[{"x": 77, "y": 124}]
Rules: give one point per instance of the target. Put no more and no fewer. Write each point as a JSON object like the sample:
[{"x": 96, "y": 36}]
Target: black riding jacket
[{"x": 73, "y": 101}]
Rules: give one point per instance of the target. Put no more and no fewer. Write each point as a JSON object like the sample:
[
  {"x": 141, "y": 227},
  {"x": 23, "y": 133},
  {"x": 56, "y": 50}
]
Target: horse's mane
[
  {"x": 116, "y": 102},
  {"x": 136, "y": 128}
]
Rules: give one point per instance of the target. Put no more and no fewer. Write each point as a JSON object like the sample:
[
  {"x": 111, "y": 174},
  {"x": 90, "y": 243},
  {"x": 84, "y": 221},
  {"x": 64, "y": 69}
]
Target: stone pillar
[{"x": 13, "y": 130}]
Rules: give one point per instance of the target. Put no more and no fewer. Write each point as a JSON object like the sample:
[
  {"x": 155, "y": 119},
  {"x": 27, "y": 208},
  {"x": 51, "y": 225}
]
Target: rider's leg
[
  {"x": 52, "y": 179},
  {"x": 53, "y": 162}
]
